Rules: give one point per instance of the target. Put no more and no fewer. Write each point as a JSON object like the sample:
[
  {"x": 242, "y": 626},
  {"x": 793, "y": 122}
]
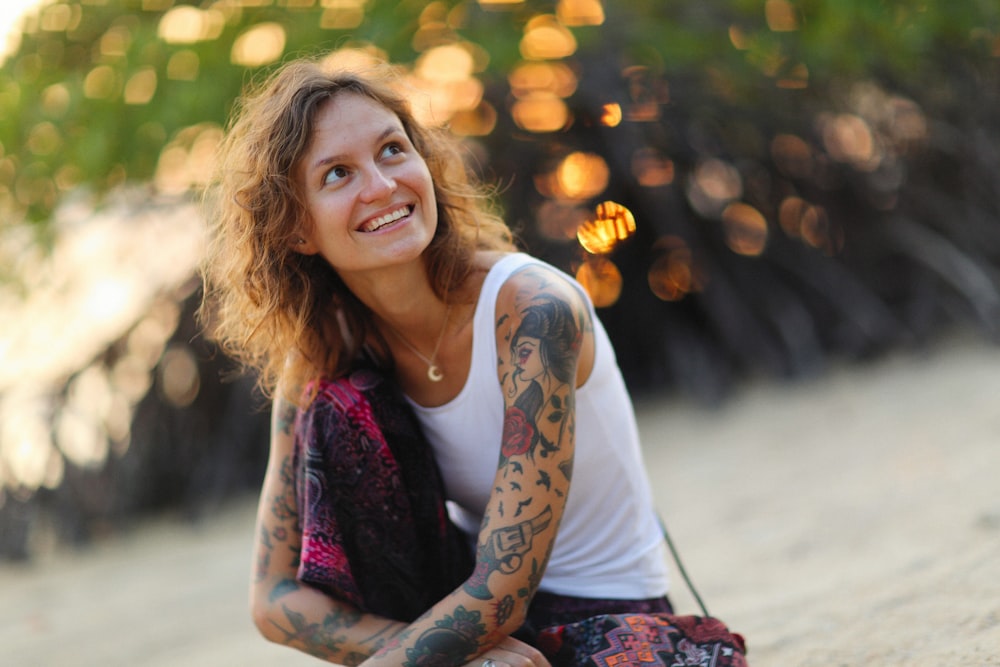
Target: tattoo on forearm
[
  {"x": 504, "y": 552},
  {"x": 503, "y": 609},
  {"x": 535, "y": 578},
  {"x": 284, "y": 532},
  {"x": 285, "y": 417},
  {"x": 282, "y": 588},
  {"x": 452, "y": 640},
  {"x": 326, "y": 639},
  {"x": 283, "y": 505},
  {"x": 264, "y": 549}
]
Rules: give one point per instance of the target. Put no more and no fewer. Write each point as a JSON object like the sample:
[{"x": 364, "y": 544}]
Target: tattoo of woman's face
[
  {"x": 545, "y": 341},
  {"x": 527, "y": 358}
]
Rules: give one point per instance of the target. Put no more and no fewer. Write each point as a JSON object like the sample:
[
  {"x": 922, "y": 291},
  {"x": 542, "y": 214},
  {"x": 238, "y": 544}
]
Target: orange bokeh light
[
  {"x": 582, "y": 176},
  {"x": 545, "y": 38},
  {"x": 602, "y": 280},
  {"x": 541, "y": 112},
  {"x": 613, "y": 224},
  {"x": 745, "y": 228}
]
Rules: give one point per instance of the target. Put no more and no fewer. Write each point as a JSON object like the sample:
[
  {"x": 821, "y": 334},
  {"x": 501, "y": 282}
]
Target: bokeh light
[
  {"x": 500, "y": 4},
  {"x": 652, "y": 169},
  {"x": 582, "y": 175},
  {"x": 545, "y": 38},
  {"x": 179, "y": 377},
  {"x": 602, "y": 279},
  {"x": 800, "y": 219},
  {"x": 745, "y": 228},
  {"x": 673, "y": 274},
  {"x": 60, "y": 17},
  {"x": 260, "y": 45},
  {"x": 116, "y": 41},
  {"x": 44, "y": 139},
  {"x": 529, "y": 78},
  {"x": 541, "y": 112},
  {"x": 580, "y": 12},
  {"x": 848, "y": 138},
  {"x": 56, "y": 100},
  {"x": 781, "y": 15},
  {"x": 141, "y": 86},
  {"x": 611, "y": 115},
  {"x": 342, "y": 14},
  {"x": 612, "y": 223},
  {"x": 713, "y": 185},
  {"x": 444, "y": 76},
  {"x": 355, "y": 58},
  {"x": 478, "y": 122},
  {"x": 186, "y": 24},
  {"x": 102, "y": 83},
  {"x": 186, "y": 162}
]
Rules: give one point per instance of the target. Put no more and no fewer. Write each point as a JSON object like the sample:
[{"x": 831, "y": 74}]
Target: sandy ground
[{"x": 844, "y": 521}]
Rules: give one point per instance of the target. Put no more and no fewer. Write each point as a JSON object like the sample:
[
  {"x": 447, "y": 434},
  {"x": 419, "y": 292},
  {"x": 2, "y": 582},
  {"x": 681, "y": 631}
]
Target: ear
[{"x": 302, "y": 243}]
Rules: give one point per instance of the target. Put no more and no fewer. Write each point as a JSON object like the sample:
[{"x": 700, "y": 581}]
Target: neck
[{"x": 400, "y": 295}]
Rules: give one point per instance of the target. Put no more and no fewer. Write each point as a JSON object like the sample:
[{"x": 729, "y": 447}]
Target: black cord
[{"x": 680, "y": 568}]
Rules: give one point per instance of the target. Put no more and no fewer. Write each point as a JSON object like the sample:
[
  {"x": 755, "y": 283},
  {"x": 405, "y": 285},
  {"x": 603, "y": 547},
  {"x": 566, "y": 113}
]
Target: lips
[{"x": 378, "y": 223}]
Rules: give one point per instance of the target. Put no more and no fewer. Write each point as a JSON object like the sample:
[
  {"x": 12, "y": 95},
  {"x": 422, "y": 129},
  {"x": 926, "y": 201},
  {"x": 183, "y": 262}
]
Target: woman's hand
[{"x": 510, "y": 653}]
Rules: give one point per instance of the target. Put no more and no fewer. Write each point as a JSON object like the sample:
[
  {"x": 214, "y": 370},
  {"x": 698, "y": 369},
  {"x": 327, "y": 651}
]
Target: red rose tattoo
[{"x": 518, "y": 433}]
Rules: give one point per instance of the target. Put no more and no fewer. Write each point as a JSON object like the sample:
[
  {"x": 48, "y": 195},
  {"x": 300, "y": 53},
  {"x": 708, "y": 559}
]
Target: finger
[
  {"x": 523, "y": 655},
  {"x": 518, "y": 658},
  {"x": 486, "y": 661}
]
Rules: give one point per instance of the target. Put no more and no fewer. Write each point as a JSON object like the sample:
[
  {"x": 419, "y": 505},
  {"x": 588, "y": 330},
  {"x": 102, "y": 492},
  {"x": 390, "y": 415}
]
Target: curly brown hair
[{"x": 286, "y": 315}]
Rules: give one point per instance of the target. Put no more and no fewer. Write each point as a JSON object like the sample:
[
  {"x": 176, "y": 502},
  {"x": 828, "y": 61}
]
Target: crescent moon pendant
[{"x": 434, "y": 373}]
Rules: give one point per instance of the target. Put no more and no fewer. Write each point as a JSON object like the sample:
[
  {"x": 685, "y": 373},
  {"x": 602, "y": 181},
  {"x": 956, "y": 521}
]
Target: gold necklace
[{"x": 434, "y": 373}]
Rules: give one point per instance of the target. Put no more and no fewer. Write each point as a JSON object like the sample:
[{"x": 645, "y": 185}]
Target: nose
[{"x": 378, "y": 185}]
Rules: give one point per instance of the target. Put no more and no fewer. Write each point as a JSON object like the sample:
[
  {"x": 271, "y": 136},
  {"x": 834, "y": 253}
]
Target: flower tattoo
[{"x": 518, "y": 433}]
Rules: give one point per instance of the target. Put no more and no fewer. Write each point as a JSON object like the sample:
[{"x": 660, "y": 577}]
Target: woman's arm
[
  {"x": 541, "y": 322},
  {"x": 284, "y": 609}
]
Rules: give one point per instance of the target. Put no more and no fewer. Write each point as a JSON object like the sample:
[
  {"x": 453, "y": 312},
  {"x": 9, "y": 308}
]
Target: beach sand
[{"x": 850, "y": 519}]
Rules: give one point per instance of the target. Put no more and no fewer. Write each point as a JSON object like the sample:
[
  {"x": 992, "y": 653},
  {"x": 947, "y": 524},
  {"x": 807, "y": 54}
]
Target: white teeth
[{"x": 386, "y": 219}]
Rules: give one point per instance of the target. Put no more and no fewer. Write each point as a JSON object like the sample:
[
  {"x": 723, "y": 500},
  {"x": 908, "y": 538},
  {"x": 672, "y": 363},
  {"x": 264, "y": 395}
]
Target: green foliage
[{"x": 54, "y": 137}]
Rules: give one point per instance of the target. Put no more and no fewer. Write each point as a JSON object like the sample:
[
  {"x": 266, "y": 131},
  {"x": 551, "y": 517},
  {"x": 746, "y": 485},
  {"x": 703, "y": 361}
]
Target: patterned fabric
[
  {"x": 375, "y": 530},
  {"x": 549, "y": 609},
  {"x": 640, "y": 640}
]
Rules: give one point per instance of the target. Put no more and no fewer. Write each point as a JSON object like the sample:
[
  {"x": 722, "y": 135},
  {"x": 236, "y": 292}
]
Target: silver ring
[{"x": 489, "y": 662}]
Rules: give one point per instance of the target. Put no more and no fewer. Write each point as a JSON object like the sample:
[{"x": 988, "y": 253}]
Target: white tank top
[{"x": 609, "y": 543}]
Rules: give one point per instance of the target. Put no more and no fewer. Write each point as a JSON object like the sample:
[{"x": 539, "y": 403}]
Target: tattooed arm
[
  {"x": 285, "y": 610},
  {"x": 542, "y": 324}
]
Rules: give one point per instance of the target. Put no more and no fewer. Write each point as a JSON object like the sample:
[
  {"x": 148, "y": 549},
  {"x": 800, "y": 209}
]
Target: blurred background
[{"x": 747, "y": 188}]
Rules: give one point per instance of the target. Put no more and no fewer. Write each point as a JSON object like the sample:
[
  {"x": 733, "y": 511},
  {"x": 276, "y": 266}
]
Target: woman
[{"x": 346, "y": 230}]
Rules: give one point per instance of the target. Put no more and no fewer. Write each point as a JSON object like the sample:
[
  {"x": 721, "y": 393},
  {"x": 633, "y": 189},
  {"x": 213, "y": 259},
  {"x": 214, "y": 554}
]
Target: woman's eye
[
  {"x": 334, "y": 175},
  {"x": 523, "y": 353},
  {"x": 391, "y": 149}
]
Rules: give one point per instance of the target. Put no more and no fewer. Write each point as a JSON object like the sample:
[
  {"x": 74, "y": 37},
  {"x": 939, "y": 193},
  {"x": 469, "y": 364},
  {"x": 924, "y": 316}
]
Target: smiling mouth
[{"x": 387, "y": 219}]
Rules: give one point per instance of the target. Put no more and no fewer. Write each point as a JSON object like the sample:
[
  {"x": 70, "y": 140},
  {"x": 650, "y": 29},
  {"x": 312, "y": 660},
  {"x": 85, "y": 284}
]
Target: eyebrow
[{"x": 330, "y": 159}]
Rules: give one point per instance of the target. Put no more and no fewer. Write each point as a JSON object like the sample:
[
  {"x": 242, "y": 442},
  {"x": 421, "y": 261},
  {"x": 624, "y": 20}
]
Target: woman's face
[
  {"x": 368, "y": 192},
  {"x": 527, "y": 357}
]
